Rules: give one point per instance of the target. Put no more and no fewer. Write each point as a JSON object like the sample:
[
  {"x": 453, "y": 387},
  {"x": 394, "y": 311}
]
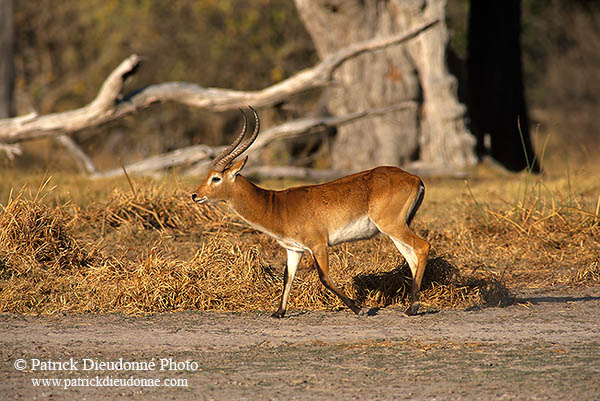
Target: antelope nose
[{"x": 194, "y": 196}]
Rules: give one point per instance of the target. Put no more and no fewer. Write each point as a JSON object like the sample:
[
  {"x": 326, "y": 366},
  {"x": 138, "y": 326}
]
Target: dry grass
[
  {"x": 548, "y": 233},
  {"x": 149, "y": 249}
]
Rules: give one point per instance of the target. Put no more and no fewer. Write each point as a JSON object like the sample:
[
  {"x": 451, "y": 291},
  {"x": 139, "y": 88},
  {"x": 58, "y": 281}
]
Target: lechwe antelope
[{"x": 313, "y": 217}]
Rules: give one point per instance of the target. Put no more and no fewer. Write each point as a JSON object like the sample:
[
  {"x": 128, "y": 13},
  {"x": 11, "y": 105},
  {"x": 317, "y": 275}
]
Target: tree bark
[
  {"x": 495, "y": 84},
  {"x": 434, "y": 132}
]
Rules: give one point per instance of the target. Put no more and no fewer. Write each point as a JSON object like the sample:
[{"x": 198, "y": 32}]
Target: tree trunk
[
  {"x": 433, "y": 132},
  {"x": 495, "y": 84},
  {"x": 6, "y": 58}
]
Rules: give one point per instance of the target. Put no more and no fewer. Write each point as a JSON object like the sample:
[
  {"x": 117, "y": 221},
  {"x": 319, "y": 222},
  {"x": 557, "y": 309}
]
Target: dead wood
[
  {"x": 110, "y": 104},
  {"x": 201, "y": 155}
]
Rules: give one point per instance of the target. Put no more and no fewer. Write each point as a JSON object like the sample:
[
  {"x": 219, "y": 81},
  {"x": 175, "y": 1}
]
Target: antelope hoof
[
  {"x": 412, "y": 309},
  {"x": 358, "y": 311},
  {"x": 278, "y": 315}
]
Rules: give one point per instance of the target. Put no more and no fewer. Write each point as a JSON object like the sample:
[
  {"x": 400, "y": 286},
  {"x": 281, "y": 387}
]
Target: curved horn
[
  {"x": 242, "y": 148},
  {"x": 218, "y": 163}
]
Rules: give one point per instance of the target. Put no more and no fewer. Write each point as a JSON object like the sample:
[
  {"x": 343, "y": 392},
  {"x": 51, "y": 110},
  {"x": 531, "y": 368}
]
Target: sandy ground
[{"x": 546, "y": 346}]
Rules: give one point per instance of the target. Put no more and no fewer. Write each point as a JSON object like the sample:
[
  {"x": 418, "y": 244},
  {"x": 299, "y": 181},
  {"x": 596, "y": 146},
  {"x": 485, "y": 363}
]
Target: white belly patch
[{"x": 362, "y": 228}]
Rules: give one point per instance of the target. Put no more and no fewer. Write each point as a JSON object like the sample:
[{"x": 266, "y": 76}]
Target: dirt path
[{"x": 547, "y": 346}]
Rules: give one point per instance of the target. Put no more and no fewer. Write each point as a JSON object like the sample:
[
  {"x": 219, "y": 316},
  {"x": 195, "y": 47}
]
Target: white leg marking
[
  {"x": 409, "y": 254},
  {"x": 293, "y": 259}
]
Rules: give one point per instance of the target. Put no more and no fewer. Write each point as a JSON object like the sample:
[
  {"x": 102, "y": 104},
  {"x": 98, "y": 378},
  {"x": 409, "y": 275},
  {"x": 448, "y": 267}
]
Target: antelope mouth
[{"x": 201, "y": 200}]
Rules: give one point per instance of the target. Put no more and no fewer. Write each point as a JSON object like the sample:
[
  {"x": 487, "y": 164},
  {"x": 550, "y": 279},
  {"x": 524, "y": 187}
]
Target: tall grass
[{"x": 545, "y": 220}]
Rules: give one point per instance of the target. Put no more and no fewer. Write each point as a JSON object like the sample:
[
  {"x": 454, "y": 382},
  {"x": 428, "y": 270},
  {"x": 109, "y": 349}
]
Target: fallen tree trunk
[
  {"x": 202, "y": 153},
  {"x": 110, "y": 104}
]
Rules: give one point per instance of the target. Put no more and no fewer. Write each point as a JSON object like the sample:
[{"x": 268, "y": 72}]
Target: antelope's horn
[
  {"x": 218, "y": 163},
  {"x": 238, "y": 150}
]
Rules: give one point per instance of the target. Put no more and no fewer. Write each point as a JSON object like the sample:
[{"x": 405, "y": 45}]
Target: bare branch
[
  {"x": 84, "y": 162},
  {"x": 100, "y": 110},
  {"x": 188, "y": 155},
  {"x": 109, "y": 106},
  {"x": 303, "y": 126},
  {"x": 11, "y": 151},
  {"x": 201, "y": 153}
]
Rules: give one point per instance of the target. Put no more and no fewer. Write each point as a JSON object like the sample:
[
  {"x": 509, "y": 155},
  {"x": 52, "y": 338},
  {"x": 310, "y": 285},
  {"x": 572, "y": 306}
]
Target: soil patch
[{"x": 545, "y": 346}]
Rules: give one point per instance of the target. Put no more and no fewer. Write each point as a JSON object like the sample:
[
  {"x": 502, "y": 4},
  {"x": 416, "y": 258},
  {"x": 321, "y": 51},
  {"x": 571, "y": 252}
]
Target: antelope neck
[{"x": 253, "y": 203}]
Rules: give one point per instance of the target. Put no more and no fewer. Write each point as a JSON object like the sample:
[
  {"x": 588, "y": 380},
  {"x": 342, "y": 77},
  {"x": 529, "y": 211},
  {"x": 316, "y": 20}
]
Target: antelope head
[{"x": 220, "y": 180}]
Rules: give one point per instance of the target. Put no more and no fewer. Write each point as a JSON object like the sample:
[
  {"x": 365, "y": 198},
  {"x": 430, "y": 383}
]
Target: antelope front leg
[
  {"x": 293, "y": 259},
  {"x": 322, "y": 265}
]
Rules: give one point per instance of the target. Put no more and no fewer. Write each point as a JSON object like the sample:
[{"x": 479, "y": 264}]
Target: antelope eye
[{"x": 216, "y": 179}]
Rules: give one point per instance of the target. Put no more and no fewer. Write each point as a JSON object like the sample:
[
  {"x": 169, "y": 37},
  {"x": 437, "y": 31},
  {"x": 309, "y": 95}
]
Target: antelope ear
[{"x": 237, "y": 167}]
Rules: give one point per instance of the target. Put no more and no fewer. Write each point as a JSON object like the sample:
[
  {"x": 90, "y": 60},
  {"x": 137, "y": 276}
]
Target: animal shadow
[
  {"x": 394, "y": 286},
  {"x": 443, "y": 283}
]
